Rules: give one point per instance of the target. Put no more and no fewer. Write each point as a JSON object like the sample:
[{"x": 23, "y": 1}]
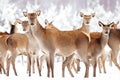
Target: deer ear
[
  {"x": 118, "y": 22},
  {"x": 38, "y": 12},
  {"x": 18, "y": 21},
  {"x": 93, "y": 14},
  {"x": 46, "y": 21},
  {"x": 112, "y": 25},
  {"x": 100, "y": 24},
  {"x": 81, "y": 14},
  {"x": 25, "y": 14}
]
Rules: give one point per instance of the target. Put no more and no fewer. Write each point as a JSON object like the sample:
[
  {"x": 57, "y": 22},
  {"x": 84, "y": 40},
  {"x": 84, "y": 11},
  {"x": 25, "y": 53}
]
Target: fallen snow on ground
[{"x": 112, "y": 73}]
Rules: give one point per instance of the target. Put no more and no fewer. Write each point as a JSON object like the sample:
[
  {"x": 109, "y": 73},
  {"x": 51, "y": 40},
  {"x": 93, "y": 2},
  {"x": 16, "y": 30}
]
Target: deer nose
[
  {"x": 87, "y": 22},
  {"x": 32, "y": 23},
  {"x": 106, "y": 32},
  {"x": 24, "y": 29}
]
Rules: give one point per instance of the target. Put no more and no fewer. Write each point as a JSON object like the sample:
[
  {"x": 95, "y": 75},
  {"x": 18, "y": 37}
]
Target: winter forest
[{"x": 65, "y": 15}]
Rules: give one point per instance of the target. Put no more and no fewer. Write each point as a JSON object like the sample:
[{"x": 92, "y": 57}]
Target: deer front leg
[{"x": 86, "y": 62}]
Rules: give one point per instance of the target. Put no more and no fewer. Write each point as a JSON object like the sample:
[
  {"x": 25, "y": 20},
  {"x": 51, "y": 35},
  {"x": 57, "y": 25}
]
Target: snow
[
  {"x": 112, "y": 72},
  {"x": 64, "y": 18}
]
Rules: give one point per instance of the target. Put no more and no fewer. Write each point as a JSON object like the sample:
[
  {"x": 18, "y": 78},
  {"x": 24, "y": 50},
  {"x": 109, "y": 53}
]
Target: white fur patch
[{"x": 8, "y": 54}]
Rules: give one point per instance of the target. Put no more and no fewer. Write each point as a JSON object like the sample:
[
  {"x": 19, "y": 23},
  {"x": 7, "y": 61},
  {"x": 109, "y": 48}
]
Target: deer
[
  {"x": 3, "y": 46},
  {"x": 3, "y": 52},
  {"x": 86, "y": 22},
  {"x": 14, "y": 44},
  {"x": 97, "y": 43},
  {"x": 102, "y": 57},
  {"x": 33, "y": 47},
  {"x": 52, "y": 41},
  {"x": 114, "y": 43},
  {"x": 70, "y": 60}
]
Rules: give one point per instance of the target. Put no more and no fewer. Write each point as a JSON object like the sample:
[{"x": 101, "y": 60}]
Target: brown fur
[
  {"x": 102, "y": 58},
  {"x": 114, "y": 42},
  {"x": 50, "y": 40},
  {"x": 97, "y": 44},
  {"x": 33, "y": 47},
  {"x": 3, "y": 51},
  {"x": 86, "y": 22},
  {"x": 70, "y": 60},
  {"x": 16, "y": 43}
]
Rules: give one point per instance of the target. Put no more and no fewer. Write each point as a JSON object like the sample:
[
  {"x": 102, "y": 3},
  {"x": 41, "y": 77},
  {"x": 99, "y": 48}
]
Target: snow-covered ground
[
  {"x": 112, "y": 73},
  {"x": 64, "y": 17}
]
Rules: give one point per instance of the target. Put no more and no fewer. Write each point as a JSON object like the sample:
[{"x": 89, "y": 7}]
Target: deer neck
[
  {"x": 29, "y": 32},
  {"x": 85, "y": 28},
  {"x": 38, "y": 32},
  {"x": 37, "y": 29},
  {"x": 104, "y": 39}
]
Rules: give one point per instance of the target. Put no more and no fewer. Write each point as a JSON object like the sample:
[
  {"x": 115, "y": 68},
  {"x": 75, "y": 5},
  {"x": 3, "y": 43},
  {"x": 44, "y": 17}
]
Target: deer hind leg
[
  {"x": 48, "y": 66},
  {"x": 2, "y": 67},
  {"x": 75, "y": 69},
  {"x": 8, "y": 65},
  {"x": 13, "y": 64},
  {"x": 69, "y": 69},
  {"x": 114, "y": 59},
  {"x": 42, "y": 58},
  {"x": 78, "y": 64},
  {"x": 64, "y": 63}
]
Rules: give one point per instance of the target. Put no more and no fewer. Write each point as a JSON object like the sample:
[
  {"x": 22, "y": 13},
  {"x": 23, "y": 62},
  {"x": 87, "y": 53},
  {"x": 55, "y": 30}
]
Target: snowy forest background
[{"x": 65, "y": 14}]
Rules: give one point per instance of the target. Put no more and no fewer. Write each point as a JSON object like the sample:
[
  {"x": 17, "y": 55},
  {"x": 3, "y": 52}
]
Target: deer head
[
  {"x": 32, "y": 16},
  {"x": 24, "y": 24},
  {"x": 86, "y": 18},
  {"x": 106, "y": 27}
]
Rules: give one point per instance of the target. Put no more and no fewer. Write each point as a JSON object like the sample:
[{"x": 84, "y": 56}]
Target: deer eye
[{"x": 104, "y": 25}]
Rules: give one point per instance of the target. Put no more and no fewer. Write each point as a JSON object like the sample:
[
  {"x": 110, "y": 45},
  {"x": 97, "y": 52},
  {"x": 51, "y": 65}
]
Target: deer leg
[
  {"x": 33, "y": 64},
  {"x": 73, "y": 64},
  {"x": 94, "y": 68},
  {"x": 114, "y": 59},
  {"x": 13, "y": 64},
  {"x": 103, "y": 62},
  {"x": 52, "y": 63},
  {"x": 65, "y": 63},
  {"x": 29, "y": 63},
  {"x": 86, "y": 62},
  {"x": 99, "y": 64},
  {"x": 2, "y": 67},
  {"x": 48, "y": 66},
  {"x": 40, "y": 68},
  {"x": 37, "y": 59},
  {"x": 69, "y": 69},
  {"x": 115, "y": 62},
  {"x": 63, "y": 70},
  {"x": 78, "y": 65},
  {"x": 110, "y": 59},
  {"x": 8, "y": 65}
]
